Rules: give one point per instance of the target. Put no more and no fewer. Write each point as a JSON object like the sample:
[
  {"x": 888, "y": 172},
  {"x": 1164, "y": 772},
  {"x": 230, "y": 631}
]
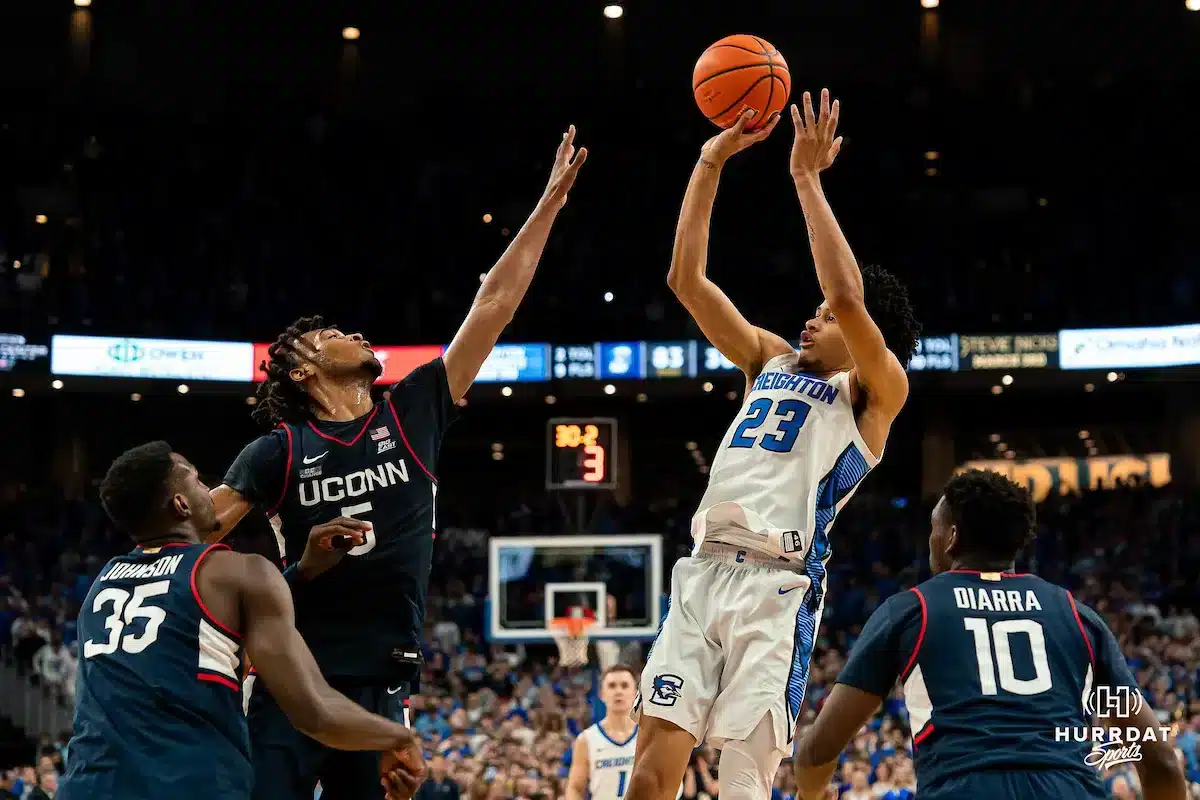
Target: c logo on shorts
[{"x": 664, "y": 691}]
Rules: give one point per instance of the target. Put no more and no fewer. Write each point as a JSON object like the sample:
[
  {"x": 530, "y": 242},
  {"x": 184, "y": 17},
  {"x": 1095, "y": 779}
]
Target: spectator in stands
[
  {"x": 55, "y": 665},
  {"x": 439, "y": 785}
]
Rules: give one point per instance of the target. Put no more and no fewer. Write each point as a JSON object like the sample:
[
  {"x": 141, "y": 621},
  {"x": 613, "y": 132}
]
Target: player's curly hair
[
  {"x": 887, "y": 303},
  {"x": 135, "y": 487},
  {"x": 281, "y": 399},
  {"x": 994, "y": 516}
]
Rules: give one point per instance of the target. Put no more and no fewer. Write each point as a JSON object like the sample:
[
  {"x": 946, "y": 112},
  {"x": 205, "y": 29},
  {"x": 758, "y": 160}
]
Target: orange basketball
[{"x": 737, "y": 73}]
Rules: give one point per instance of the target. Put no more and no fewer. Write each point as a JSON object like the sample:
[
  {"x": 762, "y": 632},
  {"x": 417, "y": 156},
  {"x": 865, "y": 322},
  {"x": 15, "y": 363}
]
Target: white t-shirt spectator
[{"x": 55, "y": 664}]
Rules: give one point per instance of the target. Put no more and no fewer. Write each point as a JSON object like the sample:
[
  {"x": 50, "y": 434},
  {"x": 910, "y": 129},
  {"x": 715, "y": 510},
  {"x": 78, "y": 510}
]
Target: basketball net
[{"x": 571, "y": 636}]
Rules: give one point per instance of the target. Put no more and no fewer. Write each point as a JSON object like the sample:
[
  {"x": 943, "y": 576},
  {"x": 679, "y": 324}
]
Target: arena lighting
[
  {"x": 1112, "y": 377},
  {"x": 40, "y": 219},
  {"x": 56, "y": 384},
  {"x": 610, "y": 389},
  {"x": 932, "y": 155},
  {"x": 1085, "y": 434},
  {"x": 497, "y": 456},
  {"x": 995, "y": 437},
  {"x": 929, "y": 3},
  {"x": 18, "y": 392},
  {"x": 1089, "y": 387},
  {"x": 251, "y": 400},
  {"x": 1007, "y": 380},
  {"x": 731, "y": 395},
  {"x": 1192, "y": 5},
  {"x": 614, "y": 11},
  {"x": 707, "y": 386},
  {"x": 608, "y": 297},
  {"x": 135, "y": 397},
  {"x": 350, "y": 34},
  {"x": 690, "y": 445},
  {"x": 551, "y": 399},
  {"x": 83, "y": 3},
  {"x": 997, "y": 389},
  {"x": 17, "y": 264},
  {"x": 182, "y": 388},
  {"x": 487, "y": 218},
  {"x": 641, "y": 398},
  {"x": 506, "y": 391},
  {"x": 497, "y": 447}
]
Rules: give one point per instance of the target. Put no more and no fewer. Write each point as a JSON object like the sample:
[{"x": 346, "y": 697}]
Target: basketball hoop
[{"x": 571, "y": 636}]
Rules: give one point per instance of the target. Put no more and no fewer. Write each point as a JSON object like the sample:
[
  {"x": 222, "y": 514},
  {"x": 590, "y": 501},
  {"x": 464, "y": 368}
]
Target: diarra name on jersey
[{"x": 337, "y": 488}]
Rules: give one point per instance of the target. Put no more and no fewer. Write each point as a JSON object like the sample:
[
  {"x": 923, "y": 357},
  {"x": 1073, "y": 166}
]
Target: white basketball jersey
[
  {"x": 786, "y": 466},
  {"x": 611, "y": 763}
]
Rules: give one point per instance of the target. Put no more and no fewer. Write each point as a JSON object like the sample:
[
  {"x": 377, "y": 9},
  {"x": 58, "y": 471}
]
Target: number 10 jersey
[{"x": 786, "y": 466}]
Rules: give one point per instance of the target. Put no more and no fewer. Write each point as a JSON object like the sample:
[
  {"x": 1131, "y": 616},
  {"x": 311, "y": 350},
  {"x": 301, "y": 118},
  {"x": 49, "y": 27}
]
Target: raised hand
[
  {"x": 734, "y": 139},
  {"x": 815, "y": 146},
  {"x": 566, "y": 166}
]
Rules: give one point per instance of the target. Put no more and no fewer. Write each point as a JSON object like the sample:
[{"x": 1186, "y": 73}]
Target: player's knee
[
  {"x": 747, "y": 768},
  {"x": 646, "y": 783}
]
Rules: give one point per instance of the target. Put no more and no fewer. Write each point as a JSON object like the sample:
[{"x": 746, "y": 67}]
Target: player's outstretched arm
[
  {"x": 814, "y": 148},
  {"x": 747, "y": 346},
  {"x": 842, "y": 716},
  {"x": 284, "y": 662},
  {"x": 506, "y": 282},
  {"x": 577, "y": 778}
]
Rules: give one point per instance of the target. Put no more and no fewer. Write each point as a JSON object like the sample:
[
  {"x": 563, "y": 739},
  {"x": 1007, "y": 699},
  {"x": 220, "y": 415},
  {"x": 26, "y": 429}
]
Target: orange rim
[{"x": 575, "y": 626}]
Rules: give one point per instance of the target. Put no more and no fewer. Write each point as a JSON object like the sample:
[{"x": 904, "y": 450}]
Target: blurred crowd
[
  {"x": 249, "y": 218},
  {"x": 499, "y": 721}
]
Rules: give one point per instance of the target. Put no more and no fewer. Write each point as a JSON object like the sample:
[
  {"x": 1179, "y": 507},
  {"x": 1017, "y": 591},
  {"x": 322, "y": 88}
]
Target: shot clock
[{"x": 581, "y": 453}]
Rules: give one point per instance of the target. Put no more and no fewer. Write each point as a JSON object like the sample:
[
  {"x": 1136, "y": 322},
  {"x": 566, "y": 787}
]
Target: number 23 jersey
[
  {"x": 786, "y": 466},
  {"x": 361, "y": 616}
]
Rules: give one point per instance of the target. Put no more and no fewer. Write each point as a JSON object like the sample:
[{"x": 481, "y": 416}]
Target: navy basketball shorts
[{"x": 288, "y": 764}]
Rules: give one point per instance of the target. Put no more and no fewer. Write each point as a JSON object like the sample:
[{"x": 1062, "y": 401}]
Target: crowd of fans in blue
[{"x": 498, "y": 721}]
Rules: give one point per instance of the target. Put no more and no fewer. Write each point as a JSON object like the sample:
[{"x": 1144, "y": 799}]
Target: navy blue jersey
[
  {"x": 361, "y": 617},
  {"x": 992, "y": 664},
  {"x": 158, "y": 711}
]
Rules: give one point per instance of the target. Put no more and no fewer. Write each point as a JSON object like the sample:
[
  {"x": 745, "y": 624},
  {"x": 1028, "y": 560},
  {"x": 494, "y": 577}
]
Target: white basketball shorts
[{"x": 734, "y": 646}]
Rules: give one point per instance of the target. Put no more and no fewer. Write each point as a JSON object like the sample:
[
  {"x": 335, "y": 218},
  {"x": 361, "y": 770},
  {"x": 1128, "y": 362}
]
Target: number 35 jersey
[
  {"x": 361, "y": 617},
  {"x": 159, "y": 703},
  {"x": 786, "y": 466}
]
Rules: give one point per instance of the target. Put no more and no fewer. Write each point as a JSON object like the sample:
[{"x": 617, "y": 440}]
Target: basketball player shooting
[
  {"x": 730, "y": 665},
  {"x": 333, "y": 452}
]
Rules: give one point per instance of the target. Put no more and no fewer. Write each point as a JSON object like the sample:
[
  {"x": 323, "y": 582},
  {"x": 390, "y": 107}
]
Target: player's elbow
[
  {"x": 843, "y": 298},
  {"x": 498, "y": 304}
]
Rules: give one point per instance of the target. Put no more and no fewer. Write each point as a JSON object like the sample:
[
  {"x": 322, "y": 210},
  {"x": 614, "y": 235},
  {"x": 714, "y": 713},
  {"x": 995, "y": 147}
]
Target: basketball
[{"x": 737, "y": 73}]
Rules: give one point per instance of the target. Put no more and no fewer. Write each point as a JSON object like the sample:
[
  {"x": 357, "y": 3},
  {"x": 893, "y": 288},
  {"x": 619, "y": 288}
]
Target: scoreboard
[{"x": 581, "y": 453}]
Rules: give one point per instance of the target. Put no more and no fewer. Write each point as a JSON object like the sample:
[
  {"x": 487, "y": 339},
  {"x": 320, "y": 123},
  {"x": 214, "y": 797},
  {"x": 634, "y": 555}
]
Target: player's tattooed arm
[
  {"x": 746, "y": 345},
  {"x": 505, "y": 284},
  {"x": 814, "y": 149}
]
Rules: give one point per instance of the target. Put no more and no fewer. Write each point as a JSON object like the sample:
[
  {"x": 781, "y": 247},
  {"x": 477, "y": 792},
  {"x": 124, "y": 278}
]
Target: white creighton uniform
[
  {"x": 610, "y": 763},
  {"x": 745, "y": 608}
]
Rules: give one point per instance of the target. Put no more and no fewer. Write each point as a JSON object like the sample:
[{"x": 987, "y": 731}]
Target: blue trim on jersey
[
  {"x": 604, "y": 733},
  {"x": 849, "y": 469}
]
